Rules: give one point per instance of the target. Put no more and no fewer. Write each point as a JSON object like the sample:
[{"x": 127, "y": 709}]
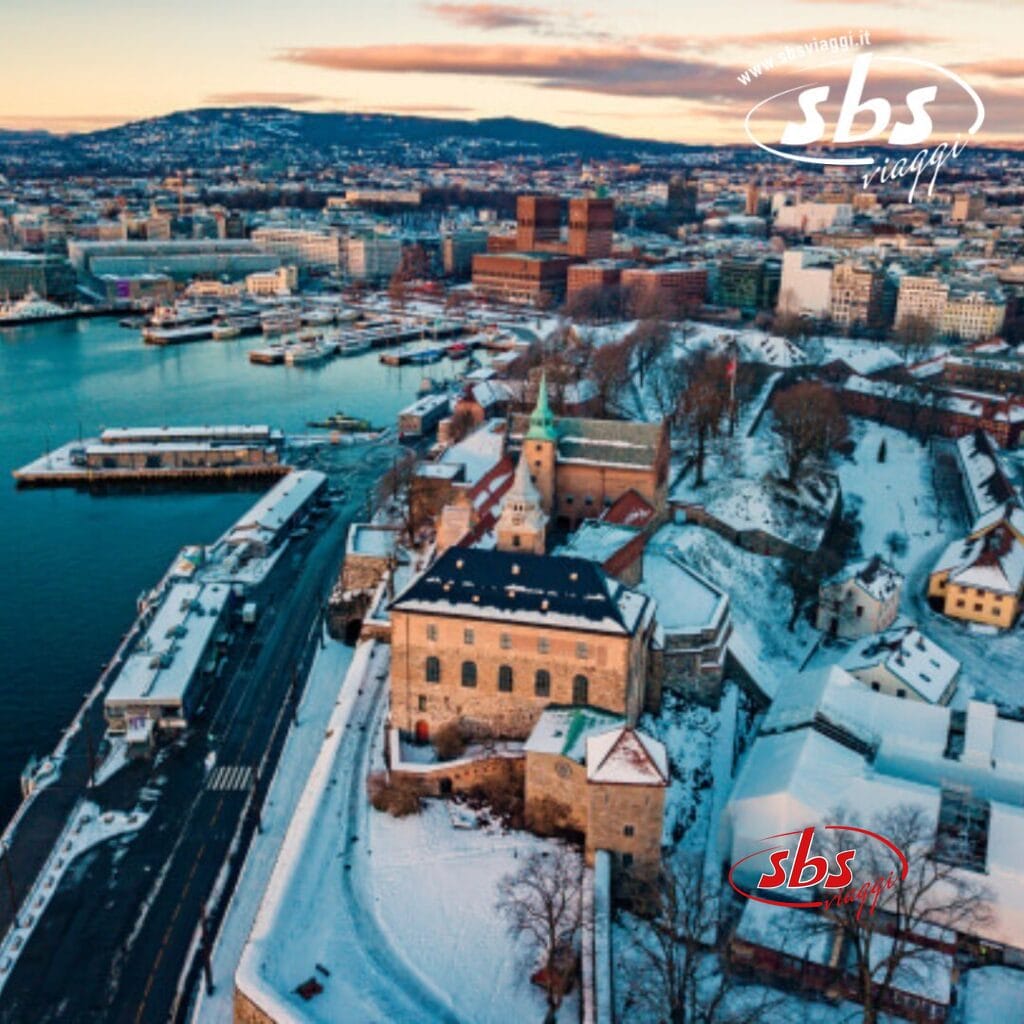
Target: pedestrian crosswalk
[{"x": 230, "y": 776}]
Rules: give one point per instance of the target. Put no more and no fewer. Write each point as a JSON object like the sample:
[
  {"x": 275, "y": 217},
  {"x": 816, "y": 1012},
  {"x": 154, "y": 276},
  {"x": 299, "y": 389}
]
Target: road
[{"x": 113, "y": 942}]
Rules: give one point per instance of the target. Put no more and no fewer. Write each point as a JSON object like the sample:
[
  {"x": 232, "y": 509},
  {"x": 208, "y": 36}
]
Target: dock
[{"x": 150, "y": 454}]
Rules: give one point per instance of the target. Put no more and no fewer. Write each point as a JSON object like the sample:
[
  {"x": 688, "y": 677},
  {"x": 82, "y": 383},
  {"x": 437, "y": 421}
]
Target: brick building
[
  {"x": 527, "y": 277},
  {"x": 670, "y": 286},
  {"x": 538, "y": 222},
  {"x": 591, "y": 225}
]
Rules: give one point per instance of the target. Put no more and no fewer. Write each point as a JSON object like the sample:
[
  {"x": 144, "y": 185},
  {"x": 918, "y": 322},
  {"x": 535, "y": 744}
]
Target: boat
[
  {"x": 181, "y": 316},
  {"x": 271, "y": 356},
  {"x": 29, "y": 309},
  {"x": 353, "y": 346},
  {"x": 458, "y": 350},
  {"x": 340, "y": 421},
  {"x": 233, "y": 326},
  {"x": 280, "y": 322},
  {"x": 176, "y": 335},
  {"x": 318, "y": 317},
  {"x": 420, "y": 356},
  {"x": 222, "y": 332},
  {"x": 307, "y": 353}
]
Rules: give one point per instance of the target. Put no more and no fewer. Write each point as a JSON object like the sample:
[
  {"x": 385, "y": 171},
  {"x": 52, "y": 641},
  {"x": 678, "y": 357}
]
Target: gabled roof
[
  {"x": 543, "y": 590},
  {"x": 626, "y": 757},
  {"x": 601, "y": 442}
]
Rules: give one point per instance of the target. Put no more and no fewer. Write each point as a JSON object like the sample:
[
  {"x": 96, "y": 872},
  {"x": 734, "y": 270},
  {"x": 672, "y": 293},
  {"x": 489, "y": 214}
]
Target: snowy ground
[
  {"x": 87, "y": 827},
  {"x": 300, "y": 751},
  {"x": 434, "y": 889}
]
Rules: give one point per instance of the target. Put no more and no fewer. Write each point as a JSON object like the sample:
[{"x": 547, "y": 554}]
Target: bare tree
[
  {"x": 609, "y": 369},
  {"x": 704, "y": 401},
  {"x": 648, "y": 342},
  {"x": 679, "y": 978},
  {"x": 396, "y": 488},
  {"x": 882, "y": 930},
  {"x": 541, "y": 904},
  {"x": 914, "y": 335},
  {"x": 810, "y": 422}
]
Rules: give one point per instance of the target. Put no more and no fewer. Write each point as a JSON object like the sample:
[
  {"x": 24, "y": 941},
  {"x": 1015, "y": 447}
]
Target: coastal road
[{"x": 114, "y": 940}]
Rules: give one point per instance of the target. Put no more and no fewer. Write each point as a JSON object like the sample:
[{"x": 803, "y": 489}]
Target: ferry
[
  {"x": 176, "y": 335},
  {"x": 181, "y": 316},
  {"x": 318, "y": 317},
  {"x": 271, "y": 356},
  {"x": 340, "y": 421},
  {"x": 234, "y": 326},
  {"x": 307, "y": 353},
  {"x": 29, "y": 309}
]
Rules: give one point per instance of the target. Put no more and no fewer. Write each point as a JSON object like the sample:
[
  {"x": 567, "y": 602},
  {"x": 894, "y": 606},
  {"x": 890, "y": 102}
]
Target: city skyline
[{"x": 643, "y": 73}]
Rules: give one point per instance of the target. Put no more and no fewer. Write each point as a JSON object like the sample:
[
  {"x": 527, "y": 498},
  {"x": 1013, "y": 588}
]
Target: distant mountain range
[{"x": 210, "y": 136}]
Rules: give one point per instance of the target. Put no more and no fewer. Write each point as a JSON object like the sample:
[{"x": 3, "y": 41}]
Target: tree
[
  {"x": 679, "y": 978},
  {"x": 396, "y": 488},
  {"x": 609, "y": 369},
  {"x": 541, "y": 904},
  {"x": 936, "y": 893},
  {"x": 914, "y": 335},
  {"x": 704, "y": 400},
  {"x": 648, "y": 342},
  {"x": 810, "y": 422},
  {"x": 882, "y": 451}
]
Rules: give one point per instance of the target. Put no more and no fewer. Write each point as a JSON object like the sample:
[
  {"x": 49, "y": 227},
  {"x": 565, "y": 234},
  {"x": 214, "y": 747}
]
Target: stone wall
[
  {"x": 463, "y": 775},
  {"x": 247, "y": 1012},
  {"x": 560, "y": 779}
]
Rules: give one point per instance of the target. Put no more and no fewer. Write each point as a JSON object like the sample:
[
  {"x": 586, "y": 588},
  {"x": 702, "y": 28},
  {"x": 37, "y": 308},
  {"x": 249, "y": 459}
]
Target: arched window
[
  {"x": 469, "y": 673},
  {"x": 542, "y": 683},
  {"x": 505, "y": 678},
  {"x": 433, "y": 669},
  {"x": 580, "y": 690}
]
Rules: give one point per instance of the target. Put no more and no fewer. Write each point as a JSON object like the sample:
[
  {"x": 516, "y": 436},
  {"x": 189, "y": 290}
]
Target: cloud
[
  {"x": 993, "y": 68},
  {"x": 421, "y": 108},
  {"x": 60, "y": 123},
  {"x": 490, "y": 16},
  {"x": 256, "y": 98}
]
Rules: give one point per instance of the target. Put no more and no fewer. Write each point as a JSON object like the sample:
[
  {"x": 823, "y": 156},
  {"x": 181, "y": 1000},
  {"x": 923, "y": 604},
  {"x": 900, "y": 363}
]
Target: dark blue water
[{"x": 72, "y": 563}]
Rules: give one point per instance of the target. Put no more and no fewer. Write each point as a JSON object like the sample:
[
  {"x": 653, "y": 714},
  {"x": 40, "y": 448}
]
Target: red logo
[{"x": 800, "y": 870}]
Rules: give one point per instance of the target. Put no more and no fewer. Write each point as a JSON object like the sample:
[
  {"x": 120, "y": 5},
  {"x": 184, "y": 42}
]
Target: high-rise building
[
  {"x": 591, "y": 224},
  {"x": 748, "y": 283},
  {"x": 967, "y": 206},
  {"x": 538, "y": 222},
  {"x": 682, "y": 199},
  {"x": 856, "y": 299},
  {"x": 458, "y": 249}
]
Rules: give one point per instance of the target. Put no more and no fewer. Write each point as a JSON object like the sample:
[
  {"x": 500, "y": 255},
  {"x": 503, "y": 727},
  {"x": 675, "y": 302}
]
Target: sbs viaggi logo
[
  {"x": 818, "y": 119},
  {"x": 791, "y": 875}
]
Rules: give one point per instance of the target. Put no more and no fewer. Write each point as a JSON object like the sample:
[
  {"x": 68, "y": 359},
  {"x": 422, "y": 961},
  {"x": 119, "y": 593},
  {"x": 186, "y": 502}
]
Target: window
[
  {"x": 568, "y": 499},
  {"x": 627, "y": 830},
  {"x": 468, "y": 637},
  {"x": 543, "y": 644},
  {"x": 582, "y": 651},
  {"x": 960, "y": 603},
  {"x": 433, "y": 669},
  {"x": 875, "y": 687},
  {"x": 469, "y": 673},
  {"x": 977, "y": 607},
  {"x": 580, "y": 690},
  {"x": 542, "y": 683},
  {"x": 860, "y": 611},
  {"x": 627, "y": 860},
  {"x": 431, "y": 632},
  {"x": 516, "y": 540},
  {"x": 901, "y": 692},
  {"x": 505, "y": 678},
  {"x": 421, "y": 703},
  {"x": 588, "y": 501},
  {"x": 505, "y": 641}
]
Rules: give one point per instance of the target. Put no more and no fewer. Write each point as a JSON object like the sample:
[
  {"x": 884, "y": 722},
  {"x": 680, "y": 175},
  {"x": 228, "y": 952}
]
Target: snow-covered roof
[
  {"x": 992, "y": 561},
  {"x": 984, "y": 477},
  {"x": 597, "y": 540},
  {"x": 874, "y": 577},
  {"x": 910, "y": 656},
  {"x": 687, "y": 602},
  {"x": 161, "y": 668},
  {"x": 565, "y": 731},
  {"x": 479, "y": 452},
  {"x": 281, "y": 502},
  {"x": 372, "y": 540},
  {"x": 625, "y": 756}
]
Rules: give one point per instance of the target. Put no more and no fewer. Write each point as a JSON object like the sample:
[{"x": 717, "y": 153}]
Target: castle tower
[
  {"x": 522, "y": 525},
  {"x": 540, "y": 448}
]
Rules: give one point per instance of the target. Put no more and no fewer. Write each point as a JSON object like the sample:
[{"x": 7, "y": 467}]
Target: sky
[{"x": 661, "y": 69}]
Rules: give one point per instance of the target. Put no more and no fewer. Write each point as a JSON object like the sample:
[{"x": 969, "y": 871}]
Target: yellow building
[{"x": 981, "y": 578}]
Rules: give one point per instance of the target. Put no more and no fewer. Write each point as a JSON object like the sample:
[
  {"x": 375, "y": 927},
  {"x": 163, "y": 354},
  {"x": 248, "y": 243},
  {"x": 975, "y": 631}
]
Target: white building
[
  {"x": 806, "y": 285},
  {"x": 263, "y": 526},
  {"x": 830, "y": 746},
  {"x": 863, "y": 598},
  {"x": 810, "y": 218},
  {"x": 156, "y": 686},
  {"x": 373, "y": 257},
  {"x": 272, "y": 282},
  {"x": 302, "y": 246}
]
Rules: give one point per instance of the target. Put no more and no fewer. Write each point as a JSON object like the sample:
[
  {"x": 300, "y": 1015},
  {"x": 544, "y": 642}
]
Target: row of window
[
  {"x": 506, "y": 679},
  {"x": 505, "y": 641}
]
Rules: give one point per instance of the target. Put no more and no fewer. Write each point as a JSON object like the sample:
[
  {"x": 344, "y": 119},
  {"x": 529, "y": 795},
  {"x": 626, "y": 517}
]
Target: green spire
[{"x": 542, "y": 423}]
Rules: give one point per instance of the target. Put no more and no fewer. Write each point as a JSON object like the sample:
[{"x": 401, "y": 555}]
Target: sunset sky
[{"x": 663, "y": 69}]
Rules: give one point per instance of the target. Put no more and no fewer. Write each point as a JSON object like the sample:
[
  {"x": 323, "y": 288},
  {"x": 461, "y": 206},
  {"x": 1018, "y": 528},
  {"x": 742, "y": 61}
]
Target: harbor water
[{"x": 74, "y": 562}]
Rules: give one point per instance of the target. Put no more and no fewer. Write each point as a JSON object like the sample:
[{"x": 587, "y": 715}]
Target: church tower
[
  {"x": 540, "y": 448},
  {"x": 522, "y": 525}
]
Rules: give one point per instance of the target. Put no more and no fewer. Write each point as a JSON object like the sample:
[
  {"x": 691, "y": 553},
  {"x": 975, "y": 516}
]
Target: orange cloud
[
  {"x": 249, "y": 98},
  {"x": 490, "y": 16}
]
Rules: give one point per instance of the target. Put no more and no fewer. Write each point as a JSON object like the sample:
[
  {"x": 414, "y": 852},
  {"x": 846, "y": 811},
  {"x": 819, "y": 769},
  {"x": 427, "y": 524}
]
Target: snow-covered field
[{"x": 434, "y": 888}]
